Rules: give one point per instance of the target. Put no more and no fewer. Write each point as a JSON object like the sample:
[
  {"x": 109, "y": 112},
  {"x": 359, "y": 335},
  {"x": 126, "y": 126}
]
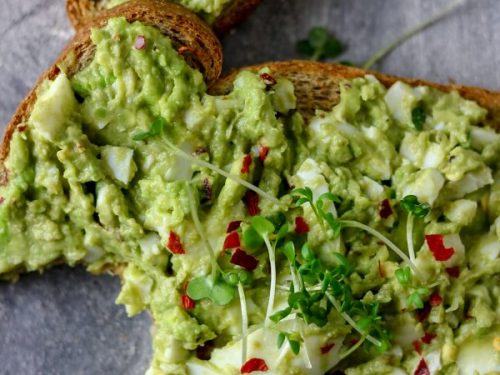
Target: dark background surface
[{"x": 65, "y": 321}]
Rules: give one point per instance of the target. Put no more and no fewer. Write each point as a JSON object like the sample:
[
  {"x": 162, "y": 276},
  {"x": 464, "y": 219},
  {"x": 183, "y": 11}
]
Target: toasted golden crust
[
  {"x": 80, "y": 12},
  {"x": 317, "y": 85},
  {"x": 201, "y": 49},
  {"x": 235, "y": 13}
]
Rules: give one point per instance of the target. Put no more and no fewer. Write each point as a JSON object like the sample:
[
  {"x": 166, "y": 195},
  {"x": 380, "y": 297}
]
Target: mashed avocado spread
[
  {"x": 365, "y": 240},
  {"x": 208, "y": 9}
]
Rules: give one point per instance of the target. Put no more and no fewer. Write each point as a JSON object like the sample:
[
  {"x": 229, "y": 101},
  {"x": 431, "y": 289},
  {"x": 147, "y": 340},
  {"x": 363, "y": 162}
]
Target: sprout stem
[
  {"x": 409, "y": 236},
  {"x": 384, "y": 239},
  {"x": 272, "y": 287},
  {"x": 381, "y": 53},
  {"x": 353, "y": 348},
  {"x": 201, "y": 232},
  {"x": 244, "y": 323},
  {"x": 214, "y": 168},
  {"x": 351, "y": 321}
]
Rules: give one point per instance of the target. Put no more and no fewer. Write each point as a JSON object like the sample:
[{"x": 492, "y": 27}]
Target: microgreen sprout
[
  {"x": 418, "y": 117},
  {"x": 320, "y": 44},
  {"x": 293, "y": 339},
  {"x": 305, "y": 195},
  {"x": 415, "y": 298},
  {"x": 158, "y": 128},
  {"x": 244, "y": 322},
  {"x": 403, "y": 275},
  {"x": 264, "y": 228},
  {"x": 414, "y": 209}
]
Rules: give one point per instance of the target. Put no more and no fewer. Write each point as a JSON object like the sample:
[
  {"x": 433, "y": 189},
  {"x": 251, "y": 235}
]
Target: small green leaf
[
  {"x": 199, "y": 288},
  {"x": 415, "y": 300},
  {"x": 289, "y": 251},
  {"x": 318, "y": 37},
  {"x": 331, "y": 197},
  {"x": 404, "y": 275},
  {"x": 222, "y": 293},
  {"x": 281, "y": 339},
  {"x": 411, "y": 204},
  {"x": 282, "y": 232},
  {"x": 156, "y": 128},
  {"x": 345, "y": 266},
  {"x": 251, "y": 239},
  {"x": 262, "y": 226},
  {"x": 418, "y": 117},
  {"x": 295, "y": 346},
  {"x": 307, "y": 253},
  {"x": 278, "y": 316},
  {"x": 333, "y": 48},
  {"x": 304, "y": 48}
]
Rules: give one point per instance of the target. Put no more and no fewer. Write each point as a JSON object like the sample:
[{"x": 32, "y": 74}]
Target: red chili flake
[
  {"x": 242, "y": 259},
  {"x": 232, "y": 241},
  {"x": 385, "y": 209},
  {"x": 187, "y": 302},
  {"x": 263, "y": 151},
  {"x": 140, "y": 42},
  {"x": 428, "y": 337},
  {"x": 251, "y": 200},
  {"x": 326, "y": 348},
  {"x": 247, "y": 162},
  {"x": 174, "y": 243},
  {"x": 417, "y": 346},
  {"x": 254, "y": 364},
  {"x": 453, "y": 271},
  {"x": 22, "y": 128},
  {"x": 423, "y": 313},
  {"x": 436, "y": 246},
  {"x": 268, "y": 79},
  {"x": 422, "y": 368},
  {"x": 233, "y": 225},
  {"x": 301, "y": 226},
  {"x": 435, "y": 299}
]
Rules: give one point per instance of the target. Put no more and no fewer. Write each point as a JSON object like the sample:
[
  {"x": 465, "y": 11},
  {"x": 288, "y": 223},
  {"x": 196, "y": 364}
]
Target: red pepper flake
[
  {"x": 417, "y": 346},
  {"x": 422, "y": 368},
  {"x": 453, "y": 271},
  {"x": 435, "y": 299},
  {"x": 22, "y": 128},
  {"x": 233, "y": 225},
  {"x": 385, "y": 209},
  {"x": 428, "y": 337},
  {"x": 326, "y": 348},
  {"x": 436, "y": 246},
  {"x": 232, "y": 241},
  {"x": 247, "y": 162},
  {"x": 268, "y": 79},
  {"x": 423, "y": 313},
  {"x": 254, "y": 364},
  {"x": 251, "y": 200},
  {"x": 174, "y": 243},
  {"x": 301, "y": 226},
  {"x": 187, "y": 302},
  {"x": 140, "y": 42},
  {"x": 263, "y": 151},
  {"x": 242, "y": 259}
]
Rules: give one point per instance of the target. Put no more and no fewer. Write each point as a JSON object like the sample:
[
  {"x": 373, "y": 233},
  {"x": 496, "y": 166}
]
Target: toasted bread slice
[
  {"x": 80, "y": 12},
  {"x": 317, "y": 85},
  {"x": 191, "y": 36}
]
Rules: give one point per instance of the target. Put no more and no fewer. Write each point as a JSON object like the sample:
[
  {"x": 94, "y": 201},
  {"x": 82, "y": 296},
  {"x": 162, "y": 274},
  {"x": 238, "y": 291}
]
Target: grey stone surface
[{"x": 65, "y": 321}]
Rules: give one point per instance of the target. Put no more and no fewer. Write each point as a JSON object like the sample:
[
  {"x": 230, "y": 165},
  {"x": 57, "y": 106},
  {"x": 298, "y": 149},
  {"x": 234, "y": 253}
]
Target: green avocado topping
[{"x": 364, "y": 239}]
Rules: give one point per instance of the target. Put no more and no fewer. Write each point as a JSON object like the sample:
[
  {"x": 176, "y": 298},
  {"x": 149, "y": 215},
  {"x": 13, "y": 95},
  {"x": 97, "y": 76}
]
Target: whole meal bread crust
[
  {"x": 81, "y": 12},
  {"x": 317, "y": 85},
  {"x": 190, "y": 36}
]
